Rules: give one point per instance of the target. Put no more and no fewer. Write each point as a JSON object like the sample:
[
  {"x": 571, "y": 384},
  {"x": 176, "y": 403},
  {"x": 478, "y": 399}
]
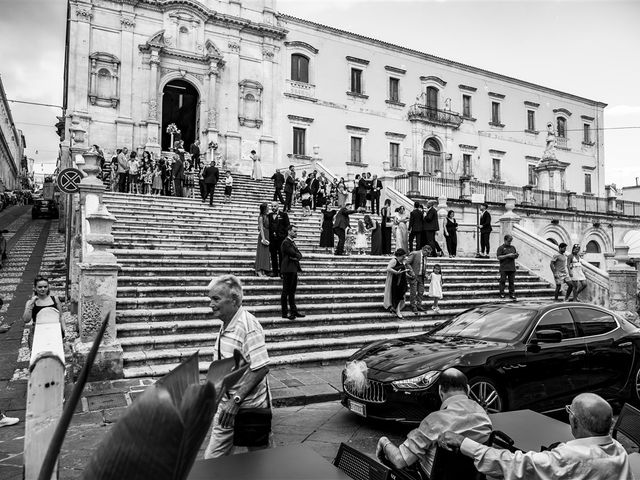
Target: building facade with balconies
[
  {"x": 370, "y": 105},
  {"x": 11, "y": 146}
]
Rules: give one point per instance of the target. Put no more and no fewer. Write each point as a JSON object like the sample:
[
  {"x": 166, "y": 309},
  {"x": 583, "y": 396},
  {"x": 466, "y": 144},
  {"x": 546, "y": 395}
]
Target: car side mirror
[{"x": 548, "y": 336}]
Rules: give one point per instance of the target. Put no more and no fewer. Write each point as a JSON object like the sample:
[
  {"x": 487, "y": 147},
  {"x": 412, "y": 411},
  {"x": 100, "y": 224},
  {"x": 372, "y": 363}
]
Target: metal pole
[
  {"x": 69, "y": 209},
  {"x": 477, "y": 230}
]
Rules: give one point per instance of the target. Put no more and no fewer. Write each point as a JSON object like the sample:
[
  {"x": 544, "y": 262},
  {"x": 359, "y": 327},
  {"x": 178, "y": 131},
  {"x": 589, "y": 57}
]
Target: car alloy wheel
[{"x": 486, "y": 393}]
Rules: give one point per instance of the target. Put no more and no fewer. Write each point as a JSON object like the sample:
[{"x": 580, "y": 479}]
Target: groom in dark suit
[
  {"x": 210, "y": 176},
  {"x": 289, "y": 269}
]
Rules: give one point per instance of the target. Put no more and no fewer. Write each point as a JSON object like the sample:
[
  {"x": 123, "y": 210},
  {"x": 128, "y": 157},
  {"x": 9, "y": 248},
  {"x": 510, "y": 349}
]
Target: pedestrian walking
[
  {"x": 263, "y": 257},
  {"x": 289, "y": 269},
  {"x": 340, "y": 226},
  {"x": 578, "y": 279},
  {"x": 40, "y": 300},
  {"x": 559, "y": 269},
  {"x": 431, "y": 226},
  {"x": 256, "y": 171},
  {"x": 361, "y": 238},
  {"x": 195, "y": 154},
  {"x": 326, "y": 229},
  {"x": 450, "y": 230},
  {"x": 228, "y": 187},
  {"x": 278, "y": 184},
  {"x": 417, "y": 262},
  {"x": 278, "y": 228},
  {"x": 485, "y": 231},
  {"x": 435, "y": 286},
  {"x": 386, "y": 223},
  {"x": 210, "y": 177},
  {"x": 507, "y": 255},
  {"x": 395, "y": 286},
  {"x": 240, "y": 331},
  {"x": 416, "y": 226}
]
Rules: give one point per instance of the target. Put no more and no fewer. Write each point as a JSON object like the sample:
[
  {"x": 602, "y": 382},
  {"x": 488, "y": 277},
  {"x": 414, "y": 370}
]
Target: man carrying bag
[{"x": 243, "y": 417}]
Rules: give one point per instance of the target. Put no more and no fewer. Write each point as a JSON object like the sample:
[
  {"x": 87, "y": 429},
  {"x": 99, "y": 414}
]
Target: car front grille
[{"x": 373, "y": 392}]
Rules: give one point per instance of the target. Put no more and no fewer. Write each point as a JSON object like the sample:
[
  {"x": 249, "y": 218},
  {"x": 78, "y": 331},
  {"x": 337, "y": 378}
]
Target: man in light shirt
[
  {"x": 593, "y": 455},
  {"x": 457, "y": 413}
]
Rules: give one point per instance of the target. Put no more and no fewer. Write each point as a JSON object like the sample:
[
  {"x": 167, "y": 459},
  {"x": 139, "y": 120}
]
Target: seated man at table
[
  {"x": 593, "y": 455},
  {"x": 457, "y": 413}
]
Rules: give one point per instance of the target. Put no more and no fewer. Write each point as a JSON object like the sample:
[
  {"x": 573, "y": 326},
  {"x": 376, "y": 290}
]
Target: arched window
[
  {"x": 562, "y": 127},
  {"x": 593, "y": 247},
  {"x": 432, "y": 98},
  {"x": 103, "y": 83},
  {"x": 432, "y": 157},
  {"x": 183, "y": 38},
  {"x": 299, "y": 68}
]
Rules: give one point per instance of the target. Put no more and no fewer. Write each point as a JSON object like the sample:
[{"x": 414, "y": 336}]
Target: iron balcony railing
[{"x": 419, "y": 112}]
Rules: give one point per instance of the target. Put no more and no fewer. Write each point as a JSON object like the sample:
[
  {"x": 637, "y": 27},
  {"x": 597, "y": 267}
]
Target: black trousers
[
  {"x": 375, "y": 203},
  {"x": 177, "y": 187},
  {"x": 287, "y": 202},
  {"x": 276, "y": 254},
  {"x": 314, "y": 200},
  {"x": 122, "y": 182},
  {"x": 484, "y": 242},
  {"x": 210, "y": 189},
  {"x": 362, "y": 200},
  {"x": 203, "y": 189},
  {"x": 289, "y": 286},
  {"x": 277, "y": 195},
  {"x": 418, "y": 237},
  {"x": 452, "y": 243},
  {"x": 503, "y": 279},
  {"x": 341, "y": 233},
  {"x": 431, "y": 241}
]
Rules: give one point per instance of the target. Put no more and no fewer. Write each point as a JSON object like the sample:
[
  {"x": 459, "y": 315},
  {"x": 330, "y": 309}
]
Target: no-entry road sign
[{"x": 69, "y": 180}]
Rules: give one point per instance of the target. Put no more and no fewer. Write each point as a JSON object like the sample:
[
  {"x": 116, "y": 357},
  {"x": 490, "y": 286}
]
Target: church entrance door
[{"x": 180, "y": 106}]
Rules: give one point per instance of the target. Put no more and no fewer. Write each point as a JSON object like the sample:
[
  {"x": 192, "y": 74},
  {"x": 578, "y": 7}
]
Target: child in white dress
[
  {"x": 361, "y": 238},
  {"x": 435, "y": 286},
  {"x": 228, "y": 187}
]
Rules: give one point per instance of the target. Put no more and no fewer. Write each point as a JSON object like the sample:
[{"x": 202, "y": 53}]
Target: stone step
[
  {"x": 273, "y": 310},
  {"x": 200, "y": 290}
]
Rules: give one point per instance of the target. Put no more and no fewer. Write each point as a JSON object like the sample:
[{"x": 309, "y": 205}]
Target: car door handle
[
  {"x": 578, "y": 353},
  {"x": 625, "y": 344}
]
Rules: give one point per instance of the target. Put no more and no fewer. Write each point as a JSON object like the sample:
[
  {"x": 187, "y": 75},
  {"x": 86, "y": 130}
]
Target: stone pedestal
[
  {"x": 442, "y": 214},
  {"x": 623, "y": 289},
  {"x": 413, "y": 184},
  {"x": 510, "y": 218},
  {"x": 571, "y": 201},
  {"x": 465, "y": 188},
  {"x": 550, "y": 173},
  {"x": 527, "y": 193},
  {"x": 611, "y": 195}
]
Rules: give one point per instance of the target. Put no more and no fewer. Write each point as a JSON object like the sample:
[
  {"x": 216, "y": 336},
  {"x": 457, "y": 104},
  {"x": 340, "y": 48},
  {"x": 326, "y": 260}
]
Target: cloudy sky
[{"x": 589, "y": 48}]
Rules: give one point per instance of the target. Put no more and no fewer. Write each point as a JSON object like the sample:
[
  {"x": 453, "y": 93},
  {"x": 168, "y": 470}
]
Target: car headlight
[{"x": 420, "y": 382}]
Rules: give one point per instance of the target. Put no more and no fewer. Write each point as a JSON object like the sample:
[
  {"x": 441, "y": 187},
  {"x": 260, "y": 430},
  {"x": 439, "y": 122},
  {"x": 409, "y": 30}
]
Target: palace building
[{"x": 238, "y": 74}]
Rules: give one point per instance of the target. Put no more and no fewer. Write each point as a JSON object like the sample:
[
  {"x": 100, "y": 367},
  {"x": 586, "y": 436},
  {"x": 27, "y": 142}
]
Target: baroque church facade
[{"x": 239, "y": 75}]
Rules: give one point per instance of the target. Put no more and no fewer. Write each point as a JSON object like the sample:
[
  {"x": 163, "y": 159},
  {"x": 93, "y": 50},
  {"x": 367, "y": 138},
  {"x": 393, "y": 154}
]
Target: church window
[
  {"x": 432, "y": 98},
  {"x": 533, "y": 176},
  {"x": 299, "y": 68},
  {"x": 250, "y": 114},
  {"x": 562, "y": 127},
  {"x": 466, "y": 164},
  {"x": 593, "y": 247},
  {"x": 432, "y": 157},
  {"x": 104, "y": 79}
]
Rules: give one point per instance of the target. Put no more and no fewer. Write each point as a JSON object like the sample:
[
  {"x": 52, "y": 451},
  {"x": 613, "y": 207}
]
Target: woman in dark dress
[
  {"x": 386, "y": 224},
  {"x": 396, "y": 284},
  {"x": 376, "y": 234},
  {"x": 450, "y": 229},
  {"x": 326, "y": 232}
]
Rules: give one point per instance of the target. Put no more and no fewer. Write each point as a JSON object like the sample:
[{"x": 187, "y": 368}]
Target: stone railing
[
  {"x": 45, "y": 390},
  {"x": 419, "y": 112},
  {"x": 301, "y": 89}
]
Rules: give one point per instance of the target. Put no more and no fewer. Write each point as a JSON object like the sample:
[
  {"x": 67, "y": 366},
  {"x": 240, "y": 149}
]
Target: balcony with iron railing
[
  {"x": 302, "y": 90},
  {"x": 423, "y": 113},
  {"x": 562, "y": 142}
]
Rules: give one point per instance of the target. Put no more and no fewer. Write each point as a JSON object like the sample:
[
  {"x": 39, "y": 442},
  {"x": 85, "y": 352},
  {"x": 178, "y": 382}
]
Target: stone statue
[{"x": 550, "y": 149}]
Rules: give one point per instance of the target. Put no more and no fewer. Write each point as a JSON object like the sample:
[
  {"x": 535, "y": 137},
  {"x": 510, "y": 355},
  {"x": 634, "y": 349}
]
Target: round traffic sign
[{"x": 69, "y": 180}]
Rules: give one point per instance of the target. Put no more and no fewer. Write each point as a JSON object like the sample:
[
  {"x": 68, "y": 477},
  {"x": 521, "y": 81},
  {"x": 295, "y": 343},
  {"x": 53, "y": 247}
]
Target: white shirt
[
  {"x": 591, "y": 458},
  {"x": 457, "y": 414}
]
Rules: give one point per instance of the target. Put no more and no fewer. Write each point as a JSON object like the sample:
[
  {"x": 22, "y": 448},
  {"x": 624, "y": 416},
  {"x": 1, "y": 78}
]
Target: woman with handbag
[{"x": 263, "y": 257}]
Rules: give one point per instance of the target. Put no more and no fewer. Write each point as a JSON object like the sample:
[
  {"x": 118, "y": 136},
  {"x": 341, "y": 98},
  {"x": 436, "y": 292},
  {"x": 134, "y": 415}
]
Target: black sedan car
[
  {"x": 44, "y": 208},
  {"x": 516, "y": 356}
]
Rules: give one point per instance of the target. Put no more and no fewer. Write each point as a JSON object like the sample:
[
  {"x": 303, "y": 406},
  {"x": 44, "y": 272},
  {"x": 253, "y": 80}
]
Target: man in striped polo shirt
[{"x": 240, "y": 331}]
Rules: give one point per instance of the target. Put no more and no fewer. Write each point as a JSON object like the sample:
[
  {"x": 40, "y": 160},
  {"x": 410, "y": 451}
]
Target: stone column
[
  {"x": 510, "y": 218},
  {"x": 623, "y": 289},
  {"x": 527, "y": 192},
  {"x": 413, "y": 184},
  {"x": 98, "y": 278},
  {"x": 153, "y": 125},
  {"x": 267, "y": 142},
  {"x": 611, "y": 196},
  {"x": 231, "y": 101},
  {"x": 543, "y": 180},
  {"x": 81, "y": 17},
  {"x": 127, "y": 22},
  {"x": 465, "y": 188},
  {"x": 571, "y": 201},
  {"x": 442, "y": 214}
]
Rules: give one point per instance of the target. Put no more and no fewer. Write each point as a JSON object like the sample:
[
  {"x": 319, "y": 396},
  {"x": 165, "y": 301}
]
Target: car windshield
[{"x": 489, "y": 323}]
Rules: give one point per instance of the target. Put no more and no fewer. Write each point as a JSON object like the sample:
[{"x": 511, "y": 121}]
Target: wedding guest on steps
[
  {"x": 416, "y": 226},
  {"x": 401, "y": 222},
  {"x": 210, "y": 176},
  {"x": 289, "y": 188},
  {"x": 256, "y": 172},
  {"x": 343, "y": 193},
  {"x": 278, "y": 183},
  {"x": 386, "y": 223},
  {"x": 576, "y": 274},
  {"x": 396, "y": 285},
  {"x": 326, "y": 229},
  {"x": 263, "y": 257},
  {"x": 376, "y": 188},
  {"x": 431, "y": 227},
  {"x": 228, "y": 187},
  {"x": 340, "y": 226},
  {"x": 374, "y": 228},
  {"x": 485, "y": 231},
  {"x": 278, "y": 228},
  {"x": 450, "y": 230},
  {"x": 289, "y": 270}
]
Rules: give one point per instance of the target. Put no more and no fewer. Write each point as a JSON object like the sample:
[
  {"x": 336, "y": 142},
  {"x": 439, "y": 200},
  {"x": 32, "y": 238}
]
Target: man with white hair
[
  {"x": 240, "y": 331},
  {"x": 593, "y": 455}
]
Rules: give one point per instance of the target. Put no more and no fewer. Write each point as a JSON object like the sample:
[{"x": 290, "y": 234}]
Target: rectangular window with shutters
[
  {"x": 466, "y": 106},
  {"x": 356, "y": 150},
  {"x": 533, "y": 176},
  {"x": 587, "y": 183},
  {"x": 394, "y": 155},
  {"x": 586, "y": 128},
  {"x": 495, "y": 172},
  {"x": 394, "y": 89},
  {"x": 495, "y": 112},
  {"x": 356, "y": 80},
  {"x": 531, "y": 120},
  {"x": 466, "y": 164},
  {"x": 299, "y": 141}
]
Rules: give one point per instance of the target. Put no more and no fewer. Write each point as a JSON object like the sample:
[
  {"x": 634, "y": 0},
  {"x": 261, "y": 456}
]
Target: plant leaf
[{"x": 178, "y": 379}]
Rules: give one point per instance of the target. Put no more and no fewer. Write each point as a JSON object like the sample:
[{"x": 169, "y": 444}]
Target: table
[
  {"x": 531, "y": 430},
  {"x": 295, "y": 462}
]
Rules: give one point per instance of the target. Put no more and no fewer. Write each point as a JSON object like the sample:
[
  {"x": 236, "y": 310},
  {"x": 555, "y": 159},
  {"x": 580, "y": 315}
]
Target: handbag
[
  {"x": 265, "y": 242},
  {"x": 252, "y": 426}
]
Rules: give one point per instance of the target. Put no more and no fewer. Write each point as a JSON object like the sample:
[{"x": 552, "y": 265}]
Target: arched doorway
[
  {"x": 593, "y": 254},
  {"x": 180, "y": 101},
  {"x": 432, "y": 157}
]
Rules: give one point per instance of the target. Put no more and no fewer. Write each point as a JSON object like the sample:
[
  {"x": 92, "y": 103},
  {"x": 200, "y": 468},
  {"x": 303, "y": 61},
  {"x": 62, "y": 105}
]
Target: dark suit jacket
[
  {"x": 431, "y": 223},
  {"x": 485, "y": 221},
  {"x": 415, "y": 220},
  {"x": 362, "y": 186},
  {"x": 278, "y": 225},
  {"x": 278, "y": 180},
  {"x": 290, "y": 184},
  {"x": 342, "y": 218},
  {"x": 290, "y": 257},
  {"x": 194, "y": 151},
  {"x": 376, "y": 185},
  {"x": 177, "y": 170},
  {"x": 314, "y": 185},
  {"x": 211, "y": 175}
]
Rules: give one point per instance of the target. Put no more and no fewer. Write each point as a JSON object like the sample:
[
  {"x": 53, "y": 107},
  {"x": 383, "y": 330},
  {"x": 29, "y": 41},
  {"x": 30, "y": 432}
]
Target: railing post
[
  {"x": 510, "y": 218},
  {"x": 442, "y": 214},
  {"x": 571, "y": 201},
  {"x": 465, "y": 188},
  {"x": 413, "y": 184},
  {"x": 611, "y": 196},
  {"x": 527, "y": 194},
  {"x": 98, "y": 278}
]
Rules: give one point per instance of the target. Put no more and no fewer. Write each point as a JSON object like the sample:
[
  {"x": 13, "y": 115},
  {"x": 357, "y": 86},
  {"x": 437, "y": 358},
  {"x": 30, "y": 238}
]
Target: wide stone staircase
[{"x": 170, "y": 248}]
